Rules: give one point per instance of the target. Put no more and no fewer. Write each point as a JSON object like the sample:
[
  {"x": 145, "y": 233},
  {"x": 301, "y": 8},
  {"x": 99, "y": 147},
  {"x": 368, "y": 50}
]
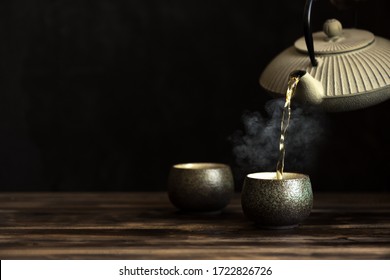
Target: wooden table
[{"x": 146, "y": 226}]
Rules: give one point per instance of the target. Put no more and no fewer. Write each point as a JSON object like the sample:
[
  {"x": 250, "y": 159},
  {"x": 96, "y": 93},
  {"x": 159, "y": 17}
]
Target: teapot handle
[{"x": 307, "y": 32}]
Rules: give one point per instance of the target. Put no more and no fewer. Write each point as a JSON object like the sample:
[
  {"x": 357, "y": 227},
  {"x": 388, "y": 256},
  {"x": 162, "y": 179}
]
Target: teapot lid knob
[
  {"x": 334, "y": 39},
  {"x": 333, "y": 28}
]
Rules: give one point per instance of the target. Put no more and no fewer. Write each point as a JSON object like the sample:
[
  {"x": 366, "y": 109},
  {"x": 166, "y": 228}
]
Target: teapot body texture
[
  {"x": 350, "y": 81},
  {"x": 346, "y": 69}
]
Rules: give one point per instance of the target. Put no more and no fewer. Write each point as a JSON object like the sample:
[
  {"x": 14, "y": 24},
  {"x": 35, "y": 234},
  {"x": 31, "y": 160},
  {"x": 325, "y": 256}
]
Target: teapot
[{"x": 339, "y": 69}]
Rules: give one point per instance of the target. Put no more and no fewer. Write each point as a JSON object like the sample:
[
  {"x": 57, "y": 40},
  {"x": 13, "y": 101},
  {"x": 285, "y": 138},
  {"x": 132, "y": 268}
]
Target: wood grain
[{"x": 147, "y": 226}]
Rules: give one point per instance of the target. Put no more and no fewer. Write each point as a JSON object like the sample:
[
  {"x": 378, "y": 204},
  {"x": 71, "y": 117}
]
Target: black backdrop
[{"x": 107, "y": 95}]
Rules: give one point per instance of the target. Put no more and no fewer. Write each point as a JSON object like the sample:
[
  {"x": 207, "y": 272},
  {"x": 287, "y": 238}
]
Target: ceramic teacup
[
  {"x": 200, "y": 187},
  {"x": 277, "y": 203}
]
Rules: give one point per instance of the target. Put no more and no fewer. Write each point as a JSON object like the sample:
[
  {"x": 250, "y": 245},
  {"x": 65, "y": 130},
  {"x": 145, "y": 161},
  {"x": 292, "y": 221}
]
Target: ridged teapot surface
[{"x": 351, "y": 69}]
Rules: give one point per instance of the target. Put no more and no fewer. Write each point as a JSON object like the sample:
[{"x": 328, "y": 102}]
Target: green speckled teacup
[
  {"x": 277, "y": 203},
  {"x": 200, "y": 187}
]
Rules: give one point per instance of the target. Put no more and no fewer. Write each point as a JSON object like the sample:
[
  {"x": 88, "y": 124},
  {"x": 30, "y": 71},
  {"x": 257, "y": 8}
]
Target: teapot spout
[{"x": 309, "y": 90}]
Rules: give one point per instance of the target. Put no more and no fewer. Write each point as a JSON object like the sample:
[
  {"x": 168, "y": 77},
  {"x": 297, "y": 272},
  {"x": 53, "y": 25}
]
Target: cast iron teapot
[{"x": 340, "y": 69}]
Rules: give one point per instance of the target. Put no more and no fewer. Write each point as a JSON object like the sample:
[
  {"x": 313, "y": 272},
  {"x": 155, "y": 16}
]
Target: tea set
[{"x": 340, "y": 70}]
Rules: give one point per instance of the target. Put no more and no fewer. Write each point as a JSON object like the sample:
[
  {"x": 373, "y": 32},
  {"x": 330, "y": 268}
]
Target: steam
[{"x": 256, "y": 146}]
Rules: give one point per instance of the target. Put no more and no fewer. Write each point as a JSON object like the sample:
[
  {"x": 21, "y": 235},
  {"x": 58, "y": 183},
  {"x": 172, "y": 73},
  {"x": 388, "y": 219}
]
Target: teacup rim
[
  {"x": 271, "y": 176},
  {"x": 200, "y": 165}
]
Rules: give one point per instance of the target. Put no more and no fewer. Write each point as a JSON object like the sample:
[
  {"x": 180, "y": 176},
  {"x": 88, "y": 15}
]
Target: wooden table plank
[{"x": 147, "y": 226}]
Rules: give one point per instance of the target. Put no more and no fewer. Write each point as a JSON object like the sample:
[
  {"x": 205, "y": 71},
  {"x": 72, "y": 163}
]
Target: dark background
[{"x": 106, "y": 95}]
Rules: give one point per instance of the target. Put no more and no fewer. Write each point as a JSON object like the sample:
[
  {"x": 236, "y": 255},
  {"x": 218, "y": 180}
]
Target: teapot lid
[{"x": 334, "y": 39}]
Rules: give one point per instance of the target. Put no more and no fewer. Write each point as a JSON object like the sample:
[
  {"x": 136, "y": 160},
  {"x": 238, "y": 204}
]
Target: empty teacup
[
  {"x": 200, "y": 187},
  {"x": 277, "y": 203}
]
